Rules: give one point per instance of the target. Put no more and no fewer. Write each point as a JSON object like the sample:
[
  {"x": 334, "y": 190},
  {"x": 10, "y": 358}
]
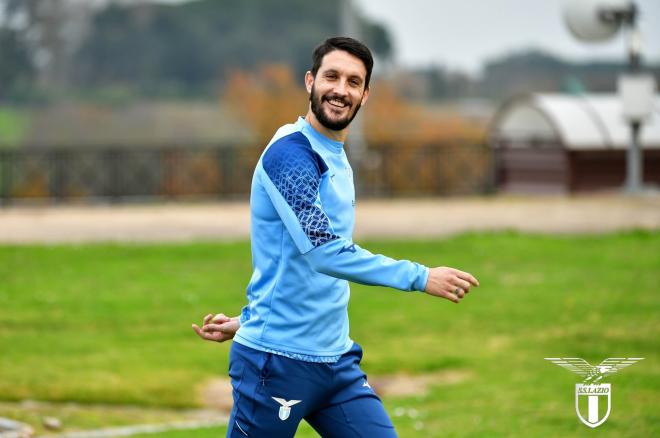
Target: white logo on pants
[{"x": 285, "y": 409}]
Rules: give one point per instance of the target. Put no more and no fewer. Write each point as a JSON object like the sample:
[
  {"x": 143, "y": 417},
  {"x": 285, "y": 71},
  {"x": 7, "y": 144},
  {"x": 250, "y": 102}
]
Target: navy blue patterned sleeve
[
  {"x": 292, "y": 180},
  {"x": 295, "y": 170}
]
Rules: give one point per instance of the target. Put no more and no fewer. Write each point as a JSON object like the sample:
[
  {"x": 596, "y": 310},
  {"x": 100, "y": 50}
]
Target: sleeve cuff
[{"x": 422, "y": 278}]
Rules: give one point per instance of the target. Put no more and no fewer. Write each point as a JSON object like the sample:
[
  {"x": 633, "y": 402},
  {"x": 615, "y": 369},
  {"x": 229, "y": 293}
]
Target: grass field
[
  {"x": 13, "y": 126},
  {"x": 110, "y": 324}
]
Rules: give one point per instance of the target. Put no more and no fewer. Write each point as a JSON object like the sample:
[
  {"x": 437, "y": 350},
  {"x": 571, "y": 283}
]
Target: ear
[
  {"x": 309, "y": 81},
  {"x": 365, "y": 96}
]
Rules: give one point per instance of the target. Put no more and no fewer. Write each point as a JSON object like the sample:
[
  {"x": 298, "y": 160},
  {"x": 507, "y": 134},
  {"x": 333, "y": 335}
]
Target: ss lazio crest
[
  {"x": 592, "y": 397},
  {"x": 285, "y": 408}
]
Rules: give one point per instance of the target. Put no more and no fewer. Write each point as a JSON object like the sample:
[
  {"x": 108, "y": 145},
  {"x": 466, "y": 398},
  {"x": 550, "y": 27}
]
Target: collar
[{"x": 332, "y": 145}]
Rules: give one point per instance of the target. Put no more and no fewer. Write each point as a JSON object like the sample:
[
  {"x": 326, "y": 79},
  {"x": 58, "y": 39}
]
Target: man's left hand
[{"x": 218, "y": 328}]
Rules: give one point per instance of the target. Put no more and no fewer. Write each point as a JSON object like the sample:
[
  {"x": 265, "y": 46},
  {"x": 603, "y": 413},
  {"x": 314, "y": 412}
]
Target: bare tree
[{"x": 52, "y": 30}]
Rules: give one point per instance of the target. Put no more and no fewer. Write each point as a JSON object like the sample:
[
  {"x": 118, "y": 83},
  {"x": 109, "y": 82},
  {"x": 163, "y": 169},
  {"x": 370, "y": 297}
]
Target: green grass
[
  {"x": 111, "y": 324},
  {"x": 13, "y": 126},
  {"x": 90, "y": 416}
]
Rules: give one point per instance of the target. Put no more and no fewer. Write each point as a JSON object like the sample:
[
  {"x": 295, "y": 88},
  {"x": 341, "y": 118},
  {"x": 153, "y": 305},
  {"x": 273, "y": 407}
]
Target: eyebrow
[{"x": 334, "y": 71}]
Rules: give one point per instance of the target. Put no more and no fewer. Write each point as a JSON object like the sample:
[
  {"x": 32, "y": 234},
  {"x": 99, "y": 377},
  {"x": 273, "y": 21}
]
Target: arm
[
  {"x": 292, "y": 177},
  {"x": 359, "y": 265},
  {"x": 343, "y": 259}
]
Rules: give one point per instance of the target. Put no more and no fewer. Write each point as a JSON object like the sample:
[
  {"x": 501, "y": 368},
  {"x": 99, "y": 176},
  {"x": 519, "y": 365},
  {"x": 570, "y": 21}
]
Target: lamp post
[{"x": 598, "y": 20}]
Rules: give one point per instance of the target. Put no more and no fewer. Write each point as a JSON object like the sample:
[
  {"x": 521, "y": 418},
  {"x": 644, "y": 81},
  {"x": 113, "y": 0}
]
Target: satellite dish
[{"x": 596, "y": 20}]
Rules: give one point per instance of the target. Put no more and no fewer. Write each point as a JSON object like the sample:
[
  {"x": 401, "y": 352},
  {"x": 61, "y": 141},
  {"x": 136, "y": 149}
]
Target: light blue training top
[{"x": 302, "y": 206}]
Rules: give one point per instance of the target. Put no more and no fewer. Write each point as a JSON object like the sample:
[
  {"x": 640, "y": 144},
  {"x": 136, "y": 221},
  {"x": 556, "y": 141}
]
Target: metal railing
[{"x": 118, "y": 174}]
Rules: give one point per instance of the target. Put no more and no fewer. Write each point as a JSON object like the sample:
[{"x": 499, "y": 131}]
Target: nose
[{"x": 341, "y": 87}]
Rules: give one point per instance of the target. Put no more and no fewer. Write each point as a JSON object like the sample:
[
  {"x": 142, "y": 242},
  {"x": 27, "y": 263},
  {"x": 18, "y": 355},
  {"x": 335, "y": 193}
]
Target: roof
[{"x": 588, "y": 121}]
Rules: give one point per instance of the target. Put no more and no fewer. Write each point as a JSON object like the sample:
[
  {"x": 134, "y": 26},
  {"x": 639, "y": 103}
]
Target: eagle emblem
[
  {"x": 285, "y": 407},
  {"x": 593, "y": 398},
  {"x": 593, "y": 374}
]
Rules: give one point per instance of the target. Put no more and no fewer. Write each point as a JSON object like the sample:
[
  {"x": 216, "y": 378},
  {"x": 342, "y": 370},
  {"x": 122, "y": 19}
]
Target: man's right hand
[
  {"x": 218, "y": 328},
  {"x": 449, "y": 283}
]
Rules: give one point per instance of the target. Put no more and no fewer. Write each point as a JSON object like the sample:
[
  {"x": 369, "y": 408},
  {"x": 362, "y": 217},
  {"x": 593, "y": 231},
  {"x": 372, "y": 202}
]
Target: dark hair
[{"x": 350, "y": 45}]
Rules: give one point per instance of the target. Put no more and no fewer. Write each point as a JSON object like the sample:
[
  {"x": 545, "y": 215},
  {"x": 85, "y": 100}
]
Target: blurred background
[
  {"x": 124, "y": 100},
  {"x": 129, "y": 131}
]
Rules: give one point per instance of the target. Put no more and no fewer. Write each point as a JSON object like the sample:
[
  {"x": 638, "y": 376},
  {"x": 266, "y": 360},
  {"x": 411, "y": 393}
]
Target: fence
[{"x": 118, "y": 174}]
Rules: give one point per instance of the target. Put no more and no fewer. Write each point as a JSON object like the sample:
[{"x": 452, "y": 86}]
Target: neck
[{"x": 332, "y": 135}]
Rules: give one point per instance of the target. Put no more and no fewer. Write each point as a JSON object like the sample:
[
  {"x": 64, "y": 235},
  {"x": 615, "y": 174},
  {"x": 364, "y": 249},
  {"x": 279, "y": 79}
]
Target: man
[{"x": 292, "y": 357}]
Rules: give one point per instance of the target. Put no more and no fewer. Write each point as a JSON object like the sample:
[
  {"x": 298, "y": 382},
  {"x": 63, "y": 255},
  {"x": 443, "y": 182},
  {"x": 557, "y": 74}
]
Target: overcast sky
[{"x": 461, "y": 34}]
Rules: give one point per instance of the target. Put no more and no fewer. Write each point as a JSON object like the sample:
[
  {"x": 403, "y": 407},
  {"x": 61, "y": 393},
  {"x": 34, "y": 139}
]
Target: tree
[
  {"x": 192, "y": 47},
  {"x": 377, "y": 37},
  {"x": 266, "y": 98},
  {"x": 38, "y": 40},
  {"x": 16, "y": 69}
]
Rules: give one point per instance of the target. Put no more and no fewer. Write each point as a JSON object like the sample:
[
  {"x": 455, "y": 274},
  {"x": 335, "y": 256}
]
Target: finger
[
  {"x": 208, "y": 336},
  {"x": 462, "y": 284},
  {"x": 229, "y": 327},
  {"x": 451, "y": 297},
  {"x": 207, "y": 318},
  {"x": 212, "y": 336},
  {"x": 220, "y": 318},
  {"x": 458, "y": 292},
  {"x": 222, "y": 328},
  {"x": 198, "y": 331},
  {"x": 467, "y": 277}
]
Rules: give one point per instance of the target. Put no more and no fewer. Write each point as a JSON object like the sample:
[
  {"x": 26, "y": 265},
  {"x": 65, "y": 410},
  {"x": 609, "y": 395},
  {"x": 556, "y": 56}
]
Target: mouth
[{"x": 336, "y": 102}]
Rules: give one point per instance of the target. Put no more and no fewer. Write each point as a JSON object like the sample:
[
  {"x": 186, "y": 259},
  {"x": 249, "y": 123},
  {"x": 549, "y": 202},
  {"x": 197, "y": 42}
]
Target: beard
[{"x": 323, "y": 117}]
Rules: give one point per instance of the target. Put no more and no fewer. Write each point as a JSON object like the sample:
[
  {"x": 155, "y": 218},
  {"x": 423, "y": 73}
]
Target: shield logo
[
  {"x": 594, "y": 401},
  {"x": 285, "y": 407},
  {"x": 285, "y": 411}
]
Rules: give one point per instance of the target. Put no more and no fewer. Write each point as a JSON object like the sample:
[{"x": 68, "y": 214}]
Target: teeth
[{"x": 337, "y": 103}]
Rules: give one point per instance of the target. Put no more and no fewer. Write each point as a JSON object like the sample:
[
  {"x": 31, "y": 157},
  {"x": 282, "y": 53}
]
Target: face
[{"x": 338, "y": 90}]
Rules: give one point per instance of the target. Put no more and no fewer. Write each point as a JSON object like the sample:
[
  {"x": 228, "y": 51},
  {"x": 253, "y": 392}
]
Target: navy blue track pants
[{"x": 273, "y": 393}]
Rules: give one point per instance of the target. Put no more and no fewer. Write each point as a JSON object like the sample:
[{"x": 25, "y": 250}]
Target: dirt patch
[
  {"x": 216, "y": 394},
  {"x": 76, "y": 420},
  {"x": 404, "y": 385},
  {"x": 393, "y": 218}
]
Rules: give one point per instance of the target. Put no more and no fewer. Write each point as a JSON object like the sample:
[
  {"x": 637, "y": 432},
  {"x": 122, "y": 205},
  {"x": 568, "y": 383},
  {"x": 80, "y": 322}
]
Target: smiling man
[{"x": 292, "y": 357}]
